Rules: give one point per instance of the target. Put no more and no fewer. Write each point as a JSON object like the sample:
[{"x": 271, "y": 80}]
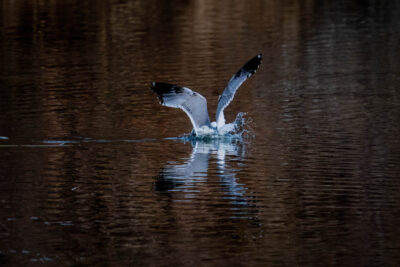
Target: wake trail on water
[{"x": 238, "y": 131}]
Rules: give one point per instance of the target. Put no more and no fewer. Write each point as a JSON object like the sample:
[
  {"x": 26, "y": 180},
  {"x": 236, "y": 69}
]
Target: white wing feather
[
  {"x": 235, "y": 82},
  {"x": 192, "y": 103}
]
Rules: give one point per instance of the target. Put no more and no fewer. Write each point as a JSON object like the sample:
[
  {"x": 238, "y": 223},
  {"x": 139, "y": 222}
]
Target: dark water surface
[{"x": 88, "y": 178}]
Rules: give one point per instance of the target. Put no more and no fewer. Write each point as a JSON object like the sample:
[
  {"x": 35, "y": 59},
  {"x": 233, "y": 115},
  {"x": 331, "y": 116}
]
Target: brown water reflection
[{"x": 87, "y": 176}]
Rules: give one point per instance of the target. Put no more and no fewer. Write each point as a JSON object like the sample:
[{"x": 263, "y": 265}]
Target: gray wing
[
  {"x": 235, "y": 82},
  {"x": 194, "y": 104}
]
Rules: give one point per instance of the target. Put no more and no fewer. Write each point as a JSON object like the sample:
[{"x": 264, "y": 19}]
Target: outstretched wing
[
  {"x": 194, "y": 104},
  {"x": 235, "y": 82}
]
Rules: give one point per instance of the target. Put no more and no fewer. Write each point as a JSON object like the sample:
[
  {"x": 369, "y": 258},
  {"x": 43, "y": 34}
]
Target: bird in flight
[{"x": 195, "y": 105}]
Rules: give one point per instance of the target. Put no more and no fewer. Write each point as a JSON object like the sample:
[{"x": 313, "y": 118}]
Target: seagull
[{"x": 195, "y": 105}]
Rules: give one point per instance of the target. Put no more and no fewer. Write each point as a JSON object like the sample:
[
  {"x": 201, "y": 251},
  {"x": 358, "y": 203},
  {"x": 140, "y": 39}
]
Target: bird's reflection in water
[{"x": 224, "y": 157}]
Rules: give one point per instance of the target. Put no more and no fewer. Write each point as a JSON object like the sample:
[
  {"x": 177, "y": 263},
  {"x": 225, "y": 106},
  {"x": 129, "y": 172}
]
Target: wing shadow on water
[{"x": 214, "y": 156}]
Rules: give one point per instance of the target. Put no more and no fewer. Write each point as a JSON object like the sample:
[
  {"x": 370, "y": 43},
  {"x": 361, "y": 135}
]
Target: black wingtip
[
  {"x": 165, "y": 88},
  {"x": 162, "y": 89},
  {"x": 253, "y": 64},
  {"x": 157, "y": 88}
]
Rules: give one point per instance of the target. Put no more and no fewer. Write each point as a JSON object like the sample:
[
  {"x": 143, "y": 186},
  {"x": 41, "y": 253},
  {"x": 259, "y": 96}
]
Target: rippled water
[{"x": 92, "y": 171}]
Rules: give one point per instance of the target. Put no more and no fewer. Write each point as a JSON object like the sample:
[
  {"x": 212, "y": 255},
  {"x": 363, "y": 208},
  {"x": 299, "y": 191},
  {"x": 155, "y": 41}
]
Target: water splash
[
  {"x": 243, "y": 126},
  {"x": 239, "y": 130}
]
